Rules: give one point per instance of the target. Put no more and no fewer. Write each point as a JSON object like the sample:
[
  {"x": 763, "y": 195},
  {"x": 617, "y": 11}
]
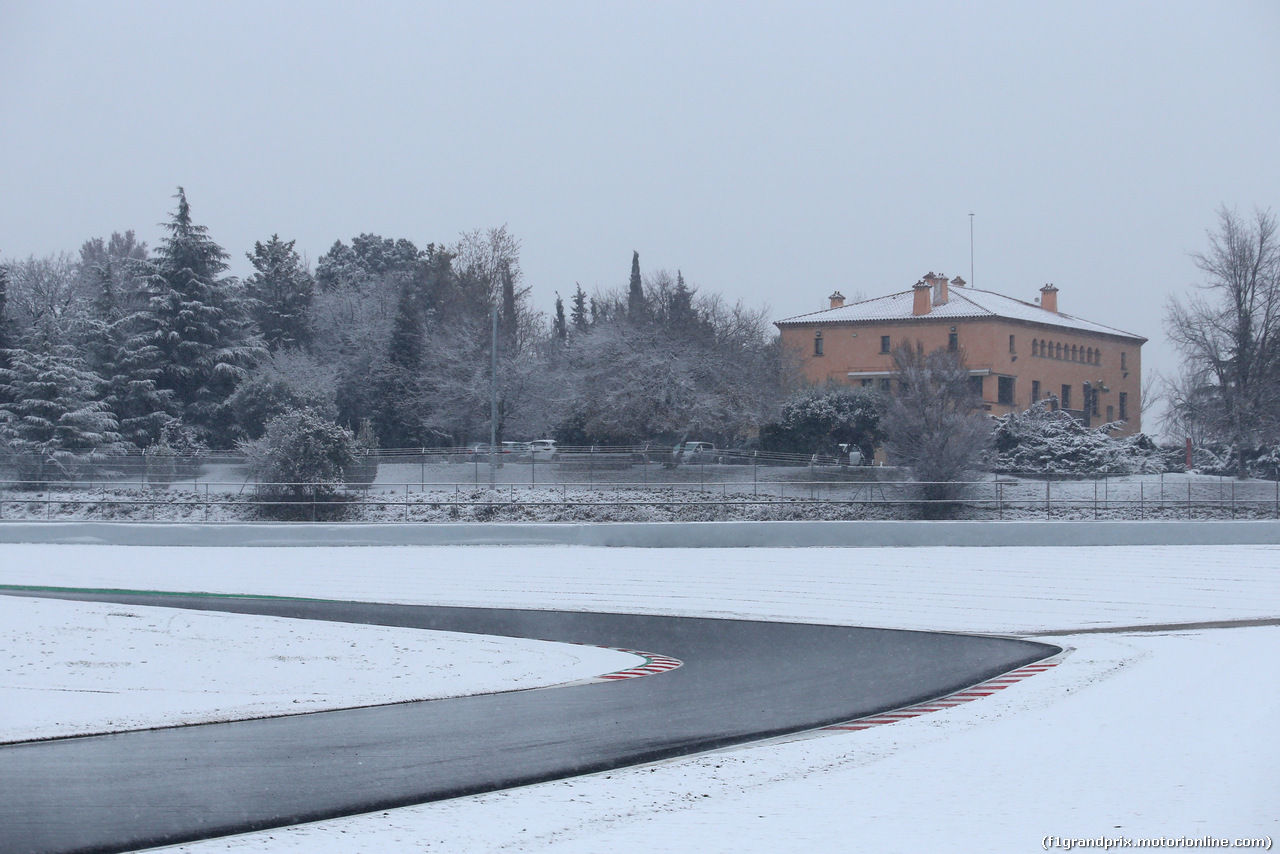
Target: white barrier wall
[{"x": 651, "y": 534}]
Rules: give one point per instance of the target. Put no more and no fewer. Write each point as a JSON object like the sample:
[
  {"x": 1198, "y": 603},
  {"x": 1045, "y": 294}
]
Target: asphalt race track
[{"x": 741, "y": 681}]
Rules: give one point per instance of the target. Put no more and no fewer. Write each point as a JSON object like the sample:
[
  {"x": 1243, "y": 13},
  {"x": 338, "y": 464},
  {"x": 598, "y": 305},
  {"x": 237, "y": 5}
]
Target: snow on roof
[{"x": 963, "y": 302}]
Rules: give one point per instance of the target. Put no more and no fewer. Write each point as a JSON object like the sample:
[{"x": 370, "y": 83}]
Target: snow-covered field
[
  {"x": 1134, "y": 735},
  {"x": 82, "y": 667}
]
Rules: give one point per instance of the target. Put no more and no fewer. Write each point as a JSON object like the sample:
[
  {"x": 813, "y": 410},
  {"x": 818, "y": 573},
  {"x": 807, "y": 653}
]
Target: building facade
[{"x": 1016, "y": 352}]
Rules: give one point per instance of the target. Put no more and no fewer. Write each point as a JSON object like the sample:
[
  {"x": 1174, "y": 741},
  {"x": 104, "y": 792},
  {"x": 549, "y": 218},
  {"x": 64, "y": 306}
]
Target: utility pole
[
  {"x": 970, "y": 248},
  {"x": 493, "y": 399}
]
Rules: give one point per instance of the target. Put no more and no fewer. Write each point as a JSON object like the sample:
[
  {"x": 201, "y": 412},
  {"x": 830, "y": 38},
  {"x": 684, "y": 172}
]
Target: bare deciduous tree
[{"x": 1229, "y": 338}]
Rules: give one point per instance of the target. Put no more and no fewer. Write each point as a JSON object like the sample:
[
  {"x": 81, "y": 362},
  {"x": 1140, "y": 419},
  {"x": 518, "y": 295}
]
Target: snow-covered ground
[
  {"x": 1134, "y": 735},
  {"x": 80, "y": 667}
]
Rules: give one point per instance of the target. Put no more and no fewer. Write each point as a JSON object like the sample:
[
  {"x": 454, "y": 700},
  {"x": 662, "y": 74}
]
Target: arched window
[
  {"x": 1097, "y": 357},
  {"x": 1075, "y": 356},
  {"x": 1090, "y": 359},
  {"x": 1058, "y": 348},
  {"x": 1035, "y": 346}
]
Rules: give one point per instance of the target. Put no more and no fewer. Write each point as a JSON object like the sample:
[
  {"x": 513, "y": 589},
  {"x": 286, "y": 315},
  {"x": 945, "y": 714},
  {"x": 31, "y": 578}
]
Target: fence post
[
  {"x": 1142, "y": 500},
  {"x": 1095, "y": 499},
  {"x": 1000, "y": 498},
  {"x": 1233, "y": 496},
  {"x": 313, "y": 502},
  {"x": 1047, "y": 505},
  {"x": 1189, "y": 497}
]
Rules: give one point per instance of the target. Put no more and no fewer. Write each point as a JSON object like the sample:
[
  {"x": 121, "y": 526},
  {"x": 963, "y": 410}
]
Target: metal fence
[{"x": 871, "y": 493}]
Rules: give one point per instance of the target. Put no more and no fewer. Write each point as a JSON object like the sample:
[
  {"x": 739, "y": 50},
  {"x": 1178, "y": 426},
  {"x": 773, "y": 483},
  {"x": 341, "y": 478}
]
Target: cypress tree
[
  {"x": 561, "y": 324},
  {"x": 635, "y": 291}
]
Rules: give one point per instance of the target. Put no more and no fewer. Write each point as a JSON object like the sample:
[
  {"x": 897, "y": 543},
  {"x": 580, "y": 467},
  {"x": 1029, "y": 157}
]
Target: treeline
[{"x": 127, "y": 347}]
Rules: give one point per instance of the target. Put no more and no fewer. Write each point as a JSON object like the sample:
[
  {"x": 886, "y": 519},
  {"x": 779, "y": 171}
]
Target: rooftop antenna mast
[{"x": 970, "y": 248}]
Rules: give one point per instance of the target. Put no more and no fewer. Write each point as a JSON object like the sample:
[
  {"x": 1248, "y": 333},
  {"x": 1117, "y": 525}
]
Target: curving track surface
[{"x": 741, "y": 681}]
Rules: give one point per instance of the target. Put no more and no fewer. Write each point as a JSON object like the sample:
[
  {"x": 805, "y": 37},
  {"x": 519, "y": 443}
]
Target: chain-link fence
[{"x": 720, "y": 491}]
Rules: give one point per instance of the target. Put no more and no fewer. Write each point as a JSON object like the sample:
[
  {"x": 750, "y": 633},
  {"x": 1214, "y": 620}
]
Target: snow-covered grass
[
  {"x": 71, "y": 668},
  {"x": 1133, "y": 735}
]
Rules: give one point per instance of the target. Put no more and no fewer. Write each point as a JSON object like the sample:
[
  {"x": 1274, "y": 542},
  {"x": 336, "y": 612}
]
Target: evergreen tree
[
  {"x": 579, "y": 311},
  {"x": 4, "y": 322},
  {"x": 281, "y": 292},
  {"x": 508, "y": 322},
  {"x": 561, "y": 327},
  {"x": 54, "y": 421},
  {"x": 635, "y": 292},
  {"x": 407, "y": 336},
  {"x": 197, "y": 322},
  {"x": 127, "y": 364},
  {"x": 681, "y": 313}
]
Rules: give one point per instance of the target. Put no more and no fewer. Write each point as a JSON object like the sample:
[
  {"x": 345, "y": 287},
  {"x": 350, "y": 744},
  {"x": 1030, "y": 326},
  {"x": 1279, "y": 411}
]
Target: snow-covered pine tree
[
  {"x": 282, "y": 292},
  {"x": 4, "y": 321},
  {"x": 128, "y": 365},
  {"x": 54, "y": 423},
  {"x": 198, "y": 323},
  {"x": 578, "y": 314}
]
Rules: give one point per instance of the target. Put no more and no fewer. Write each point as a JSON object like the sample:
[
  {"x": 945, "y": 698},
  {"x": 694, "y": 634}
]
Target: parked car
[
  {"x": 854, "y": 454},
  {"x": 695, "y": 452},
  {"x": 515, "y": 449},
  {"x": 543, "y": 449}
]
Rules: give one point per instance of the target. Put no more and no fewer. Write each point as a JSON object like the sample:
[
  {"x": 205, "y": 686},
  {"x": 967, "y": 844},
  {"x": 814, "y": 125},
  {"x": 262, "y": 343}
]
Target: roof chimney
[
  {"x": 958, "y": 282},
  {"x": 939, "y": 285},
  {"x": 1049, "y": 298},
  {"x": 922, "y": 303},
  {"x": 837, "y": 300}
]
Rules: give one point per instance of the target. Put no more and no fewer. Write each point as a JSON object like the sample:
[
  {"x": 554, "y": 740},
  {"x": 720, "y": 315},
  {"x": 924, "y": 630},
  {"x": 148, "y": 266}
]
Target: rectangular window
[
  {"x": 1124, "y": 361},
  {"x": 1094, "y": 403},
  {"x": 1012, "y": 349},
  {"x": 884, "y": 343},
  {"x": 1004, "y": 390},
  {"x": 1066, "y": 397},
  {"x": 867, "y": 383},
  {"x": 975, "y": 383},
  {"x": 1124, "y": 406},
  {"x": 884, "y": 385},
  {"x": 953, "y": 342},
  {"x": 1035, "y": 390},
  {"x": 817, "y": 344},
  {"x": 1111, "y": 414}
]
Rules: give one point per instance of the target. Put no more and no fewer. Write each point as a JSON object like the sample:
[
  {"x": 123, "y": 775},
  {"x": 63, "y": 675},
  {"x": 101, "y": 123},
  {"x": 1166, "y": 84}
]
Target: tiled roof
[{"x": 963, "y": 302}]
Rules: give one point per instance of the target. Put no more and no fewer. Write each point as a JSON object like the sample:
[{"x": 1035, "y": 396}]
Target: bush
[
  {"x": 1052, "y": 442},
  {"x": 300, "y": 464},
  {"x": 821, "y": 420},
  {"x": 266, "y": 396}
]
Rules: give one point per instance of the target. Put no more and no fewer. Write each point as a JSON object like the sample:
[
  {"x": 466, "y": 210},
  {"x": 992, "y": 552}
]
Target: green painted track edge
[{"x": 41, "y": 588}]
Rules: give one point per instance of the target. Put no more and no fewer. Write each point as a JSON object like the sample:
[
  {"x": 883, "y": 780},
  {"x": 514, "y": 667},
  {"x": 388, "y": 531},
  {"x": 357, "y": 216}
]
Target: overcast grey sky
[{"x": 773, "y": 152}]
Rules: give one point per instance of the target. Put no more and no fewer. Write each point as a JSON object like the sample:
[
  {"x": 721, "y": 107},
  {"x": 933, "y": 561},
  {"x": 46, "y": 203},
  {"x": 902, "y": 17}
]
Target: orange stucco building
[{"x": 1016, "y": 352}]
